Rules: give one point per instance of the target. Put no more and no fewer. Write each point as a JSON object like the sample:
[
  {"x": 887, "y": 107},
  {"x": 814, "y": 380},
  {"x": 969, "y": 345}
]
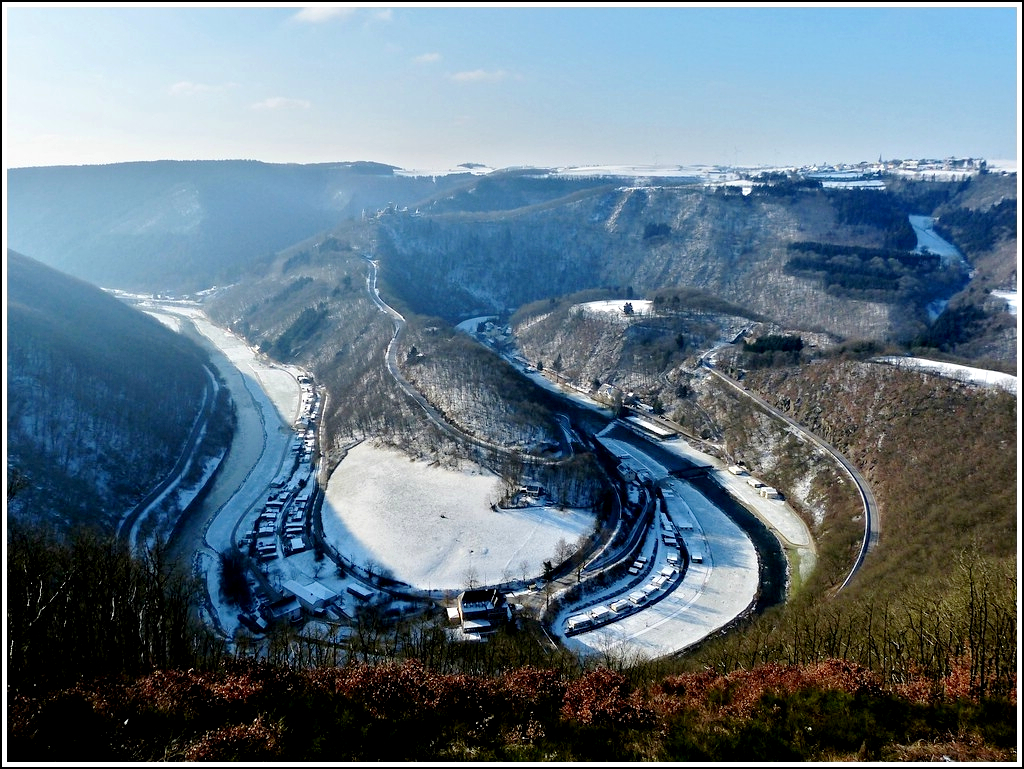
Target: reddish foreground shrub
[
  {"x": 245, "y": 742},
  {"x": 602, "y": 698},
  {"x": 738, "y": 693}
]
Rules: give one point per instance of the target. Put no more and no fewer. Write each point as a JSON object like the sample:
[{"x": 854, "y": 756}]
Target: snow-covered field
[
  {"x": 978, "y": 376},
  {"x": 656, "y": 171},
  {"x": 435, "y": 528},
  {"x": 614, "y": 307}
]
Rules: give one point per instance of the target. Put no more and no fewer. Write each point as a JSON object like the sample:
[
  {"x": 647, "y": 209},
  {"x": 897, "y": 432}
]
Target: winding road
[
  {"x": 872, "y": 524},
  {"x": 391, "y": 359},
  {"x": 130, "y": 528}
]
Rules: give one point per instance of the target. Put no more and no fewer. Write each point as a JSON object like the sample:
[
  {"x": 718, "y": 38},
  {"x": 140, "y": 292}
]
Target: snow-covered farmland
[
  {"x": 615, "y": 307},
  {"x": 435, "y": 528},
  {"x": 977, "y": 376}
]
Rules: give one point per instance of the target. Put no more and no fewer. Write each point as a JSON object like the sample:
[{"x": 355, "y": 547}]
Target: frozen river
[
  {"x": 267, "y": 398},
  {"x": 714, "y": 590}
]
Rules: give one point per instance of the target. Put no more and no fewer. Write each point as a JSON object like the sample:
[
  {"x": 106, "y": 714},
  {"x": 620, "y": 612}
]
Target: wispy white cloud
[
  {"x": 280, "y": 102},
  {"x": 480, "y": 76},
  {"x": 317, "y": 14},
  {"x": 427, "y": 58},
  {"x": 383, "y": 15},
  {"x": 186, "y": 88}
]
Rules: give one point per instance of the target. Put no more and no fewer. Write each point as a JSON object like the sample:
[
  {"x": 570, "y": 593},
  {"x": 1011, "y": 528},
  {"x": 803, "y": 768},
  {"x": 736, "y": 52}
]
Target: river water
[
  {"x": 267, "y": 400},
  {"x": 929, "y": 240}
]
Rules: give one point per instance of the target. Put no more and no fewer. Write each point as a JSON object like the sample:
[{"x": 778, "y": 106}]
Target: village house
[
  {"x": 483, "y": 611},
  {"x": 288, "y": 609},
  {"x": 314, "y": 597}
]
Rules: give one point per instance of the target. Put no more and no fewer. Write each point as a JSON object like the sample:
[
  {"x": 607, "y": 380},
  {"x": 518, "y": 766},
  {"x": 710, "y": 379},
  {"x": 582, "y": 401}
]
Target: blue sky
[{"x": 429, "y": 87}]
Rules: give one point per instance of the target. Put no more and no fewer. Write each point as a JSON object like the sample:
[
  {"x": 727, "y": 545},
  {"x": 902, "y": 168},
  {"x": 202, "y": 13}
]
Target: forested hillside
[
  {"x": 982, "y": 222},
  {"x": 837, "y": 261},
  {"x": 941, "y": 456},
  {"x": 100, "y": 398},
  {"x": 312, "y": 306},
  {"x": 806, "y": 257},
  {"x": 181, "y": 226}
]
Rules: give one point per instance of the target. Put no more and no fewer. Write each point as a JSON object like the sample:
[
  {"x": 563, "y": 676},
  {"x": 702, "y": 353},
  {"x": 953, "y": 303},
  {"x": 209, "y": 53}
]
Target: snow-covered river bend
[{"x": 267, "y": 398}]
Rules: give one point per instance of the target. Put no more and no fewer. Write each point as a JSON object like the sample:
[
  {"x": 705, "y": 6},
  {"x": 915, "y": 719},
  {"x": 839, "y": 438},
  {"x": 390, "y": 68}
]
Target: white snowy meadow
[
  {"x": 616, "y": 307},
  {"x": 969, "y": 374},
  {"x": 436, "y": 528}
]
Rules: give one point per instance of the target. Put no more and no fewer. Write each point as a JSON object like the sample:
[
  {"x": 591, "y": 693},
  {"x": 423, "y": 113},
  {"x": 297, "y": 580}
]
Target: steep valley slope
[
  {"x": 101, "y": 399},
  {"x": 641, "y": 239}
]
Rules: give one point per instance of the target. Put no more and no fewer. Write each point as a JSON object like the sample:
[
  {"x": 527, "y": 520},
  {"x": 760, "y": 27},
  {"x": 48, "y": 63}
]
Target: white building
[{"x": 314, "y": 597}]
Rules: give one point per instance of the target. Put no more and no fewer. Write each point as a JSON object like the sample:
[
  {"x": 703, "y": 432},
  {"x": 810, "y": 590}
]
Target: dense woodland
[
  {"x": 886, "y": 275},
  {"x": 975, "y": 231},
  {"x": 916, "y": 659},
  {"x": 101, "y": 398}
]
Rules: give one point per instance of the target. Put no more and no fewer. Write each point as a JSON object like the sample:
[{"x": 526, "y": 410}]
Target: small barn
[{"x": 360, "y": 592}]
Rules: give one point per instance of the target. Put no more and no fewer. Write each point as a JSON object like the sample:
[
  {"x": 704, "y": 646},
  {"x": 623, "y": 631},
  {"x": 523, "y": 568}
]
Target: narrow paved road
[
  {"x": 129, "y": 528},
  {"x": 391, "y": 360}
]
